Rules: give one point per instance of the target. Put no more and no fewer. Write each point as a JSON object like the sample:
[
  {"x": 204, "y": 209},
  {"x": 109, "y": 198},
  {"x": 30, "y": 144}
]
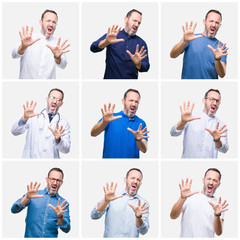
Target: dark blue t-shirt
[{"x": 118, "y": 63}]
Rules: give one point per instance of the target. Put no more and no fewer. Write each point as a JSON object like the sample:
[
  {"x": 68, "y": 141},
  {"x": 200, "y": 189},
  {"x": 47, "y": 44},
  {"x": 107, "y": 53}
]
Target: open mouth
[
  {"x": 213, "y": 108},
  {"x": 134, "y": 187},
  {"x": 212, "y": 30},
  {"x": 134, "y": 28},
  {"x": 54, "y": 187},
  {"x": 49, "y": 30},
  {"x": 209, "y": 188}
]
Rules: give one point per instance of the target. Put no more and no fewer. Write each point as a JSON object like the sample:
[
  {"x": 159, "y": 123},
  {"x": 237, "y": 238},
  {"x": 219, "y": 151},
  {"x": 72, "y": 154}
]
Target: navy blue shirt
[
  {"x": 118, "y": 63},
  {"x": 199, "y": 61},
  {"x": 41, "y": 220},
  {"x": 118, "y": 141}
]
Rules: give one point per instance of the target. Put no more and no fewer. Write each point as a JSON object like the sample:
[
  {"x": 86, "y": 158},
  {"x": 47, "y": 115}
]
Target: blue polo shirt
[
  {"x": 199, "y": 61},
  {"x": 118, "y": 141},
  {"x": 118, "y": 63}
]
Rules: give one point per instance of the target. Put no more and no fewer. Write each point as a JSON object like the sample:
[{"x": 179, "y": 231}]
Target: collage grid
[{"x": 85, "y": 93}]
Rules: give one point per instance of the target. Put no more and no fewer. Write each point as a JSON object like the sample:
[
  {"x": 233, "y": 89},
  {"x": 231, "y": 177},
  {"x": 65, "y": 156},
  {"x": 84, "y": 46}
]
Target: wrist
[
  {"x": 59, "y": 216},
  {"x": 57, "y": 58},
  {"x": 24, "y": 119},
  {"x": 138, "y": 140},
  {"x": 218, "y": 59},
  {"x": 138, "y": 216},
  {"x": 217, "y": 215},
  {"x": 216, "y": 140}
]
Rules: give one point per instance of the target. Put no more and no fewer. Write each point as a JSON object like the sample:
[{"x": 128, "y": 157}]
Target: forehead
[
  {"x": 135, "y": 173},
  {"x": 214, "y": 16},
  {"x": 56, "y": 94},
  {"x": 136, "y": 15},
  {"x": 50, "y": 15},
  {"x": 212, "y": 174},
  {"x": 132, "y": 95},
  {"x": 55, "y": 174},
  {"x": 214, "y": 94}
]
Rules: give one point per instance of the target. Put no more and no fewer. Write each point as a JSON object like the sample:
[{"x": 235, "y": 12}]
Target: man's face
[
  {"x": 133, "y": 182},
  {"x": 54, "y": 182},
  {"x": 212, "y": 24},
  {"x": 131, "y": 104},
  {"x": 48, "y": 24},
  {"x": 210, "y": 183},
  {"x": 132, "y": 23},
  {"x": 54, "y": 101},
  {"x": 211, "y": 103}
]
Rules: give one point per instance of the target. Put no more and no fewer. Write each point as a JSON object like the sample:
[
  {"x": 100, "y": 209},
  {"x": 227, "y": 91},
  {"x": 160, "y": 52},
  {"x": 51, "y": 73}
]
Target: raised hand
[
  {"x": 29, "y": 111},
  {"x": 185, "y": 189},
  {"x": 219, "y": 207},
  {"x": 60, "y": 208},
  {"x": 57, "y": 132},
  {"x": 32, "y": 191},
  {"x": 59, "y": 49},
  {"x": 219, "y": 51},
  {"x": 139, "y": 134},
  {"x": 107, "y": 113},
  {"x": 217, "y": 133},
  {"x": 188, "y": 32},
  {"x": 111, "y": 36},
  {"x": 139, "y": 210},
  {"x": 26, "y": 37},
  {"x": 110, "y": 192},
  {"x": 186, "y": 112},
  {"x": 138, "y": 56}
]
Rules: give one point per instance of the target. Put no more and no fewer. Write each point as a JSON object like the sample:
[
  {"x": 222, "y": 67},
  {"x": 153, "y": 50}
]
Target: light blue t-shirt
[{"x": 198, "y": 60}]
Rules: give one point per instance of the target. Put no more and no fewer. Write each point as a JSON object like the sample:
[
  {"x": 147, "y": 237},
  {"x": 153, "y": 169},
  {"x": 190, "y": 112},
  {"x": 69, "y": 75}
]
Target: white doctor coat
[{"x": 40, "y": 142}]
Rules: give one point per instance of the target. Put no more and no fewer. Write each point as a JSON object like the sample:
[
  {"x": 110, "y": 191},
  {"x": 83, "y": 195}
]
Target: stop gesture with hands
[
  {"x": 60, "y": 208},
  {"x": 138, "y": 56},
  {"x": 139, "y": 134},
  {"x": 26, "y": 37},
  {"x": 57, "y": 132},
  {"x": 217, "y": 133},
  {"x": 219, "y": 207},
  {"x": 219, "y": 51},
  {"x": 32, "y": 191},
  {"x": 59, "y": 49},
  {"x": 140, "y": 209},
  {"x": 186, "y": 112},
  {"x": 110, "y": 192},
  {"x": 107, "y": 113},
  {"x": 185, "y": 189},
  {"x": 112, "y": 34},
  {"x": 29, "y": 111},
  {"x": 188, "y": 32}
]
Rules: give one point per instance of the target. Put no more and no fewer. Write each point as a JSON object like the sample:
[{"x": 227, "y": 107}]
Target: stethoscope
[{"x": 43, "y": 122}]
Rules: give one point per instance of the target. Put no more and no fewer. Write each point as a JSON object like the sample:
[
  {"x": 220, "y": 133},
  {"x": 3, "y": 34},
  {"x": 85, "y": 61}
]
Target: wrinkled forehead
[
  {"x": 136, "y": 15},
  {"x": 55, "y": 174},
  {"x": 214, "y": 94},
  {"x": 214, "y": 16},
  {"x": 135, "y": 174},
  {"x": 132, "y": 95},
  {"x": 56, "y": 94},
  {"x": 50, "y": 16},
  {"x": 213, "y": 175}
]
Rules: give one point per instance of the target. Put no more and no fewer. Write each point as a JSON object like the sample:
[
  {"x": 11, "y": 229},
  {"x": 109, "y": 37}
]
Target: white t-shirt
[{"x": 198, "y": 216}]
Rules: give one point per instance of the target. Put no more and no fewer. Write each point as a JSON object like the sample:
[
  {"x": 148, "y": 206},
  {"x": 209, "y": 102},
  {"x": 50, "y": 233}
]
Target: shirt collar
[
  {"x": 45, "y": 191},
  {"x": 126, "y": 116},
  {"x": 133, "y": 36}
]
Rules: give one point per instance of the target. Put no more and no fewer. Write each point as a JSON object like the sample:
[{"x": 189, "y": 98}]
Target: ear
[
  {"x": 47, "y": 99},
  {"x": 203, "y": 100},
  {"x": 125, "y": 180},
  {"x": 61, "y": 104},
  {"x": 219, "y": 184},
  {"x": 46, "y": 179},
  {"x": 125, "y": 20},
  {"x": 203, "y": 21},
  {"x": 123, "y": 101},
  {"x": 40, "y": 22},
  {"x": 203, "y": 180}
]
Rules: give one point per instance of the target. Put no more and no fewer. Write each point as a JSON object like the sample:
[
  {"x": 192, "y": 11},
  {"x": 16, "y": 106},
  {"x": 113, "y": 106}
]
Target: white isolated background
[
  {"x": 99, "y": 16},
  {"x": 173, "y": 95},
  {"x": 16, "y": 15},
  {"x": 175, "y": 14},
  {"x": 15, "y": 94},
  {"x": 18, "y": 174},
  {"x": 95, "y": 174},
  {"x": 172, "y": 172},
  {"x": 96, "y": 94}
]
